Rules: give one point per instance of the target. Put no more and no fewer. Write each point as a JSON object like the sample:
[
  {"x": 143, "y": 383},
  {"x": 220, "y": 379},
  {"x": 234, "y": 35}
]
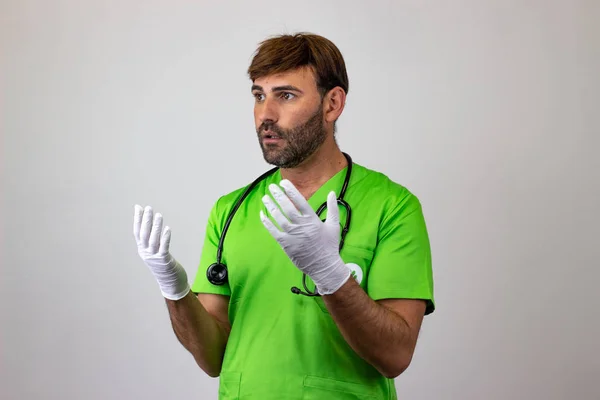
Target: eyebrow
[{"x": 279, "y": 88}]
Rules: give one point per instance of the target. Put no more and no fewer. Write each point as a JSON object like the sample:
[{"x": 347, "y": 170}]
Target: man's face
[{"x": 288, "y": 114}]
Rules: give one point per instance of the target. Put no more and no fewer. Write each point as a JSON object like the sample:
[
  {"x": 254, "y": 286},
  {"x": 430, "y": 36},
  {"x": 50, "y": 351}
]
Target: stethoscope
[{"x": 217, "y": 272}]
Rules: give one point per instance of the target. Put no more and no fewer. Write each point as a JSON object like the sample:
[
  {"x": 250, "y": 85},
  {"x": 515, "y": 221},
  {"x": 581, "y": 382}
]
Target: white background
[{"x": 487, "y": 110}]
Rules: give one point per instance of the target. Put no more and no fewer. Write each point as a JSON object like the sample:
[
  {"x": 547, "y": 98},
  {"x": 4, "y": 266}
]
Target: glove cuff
[
  {"x": 177, "y": 296},
  {"x": 173, "y": 281},
  {"x": 336, "y": 277}
]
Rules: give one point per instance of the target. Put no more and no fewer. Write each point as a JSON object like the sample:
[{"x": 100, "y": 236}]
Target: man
[{"x": 353, "y": 327}]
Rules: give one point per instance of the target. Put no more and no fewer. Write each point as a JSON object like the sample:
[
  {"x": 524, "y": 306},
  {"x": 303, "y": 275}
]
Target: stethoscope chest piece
[{"x": 217, "y": 274}]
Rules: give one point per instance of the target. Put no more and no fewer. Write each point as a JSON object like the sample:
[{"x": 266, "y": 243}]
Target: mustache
[{"x": 268, "y": 126}]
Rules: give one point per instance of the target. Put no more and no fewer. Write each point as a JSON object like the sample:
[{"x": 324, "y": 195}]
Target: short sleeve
[
  {"x": 401, "y": 266},
  {"x": 209, "y": 255}
]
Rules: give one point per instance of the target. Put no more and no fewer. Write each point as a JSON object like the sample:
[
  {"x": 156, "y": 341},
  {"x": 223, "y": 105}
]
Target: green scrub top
[{"x": 284, "y": 345}]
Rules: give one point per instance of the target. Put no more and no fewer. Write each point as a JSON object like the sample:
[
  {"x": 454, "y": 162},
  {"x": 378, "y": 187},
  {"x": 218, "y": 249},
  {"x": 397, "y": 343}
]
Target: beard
[{"x": 296, "y": 144}]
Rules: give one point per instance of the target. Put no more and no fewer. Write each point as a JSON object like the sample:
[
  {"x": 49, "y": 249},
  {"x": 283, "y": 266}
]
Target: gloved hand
[
  {"x": 312, "y": 245},
  {"x": 153, "y": 247}
]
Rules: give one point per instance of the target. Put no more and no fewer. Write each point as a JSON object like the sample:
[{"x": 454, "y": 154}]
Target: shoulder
[
  {"x": 231, "y": 197},
  {"x": 225, "y": 203},
  {"x": 391, "y": 195}
]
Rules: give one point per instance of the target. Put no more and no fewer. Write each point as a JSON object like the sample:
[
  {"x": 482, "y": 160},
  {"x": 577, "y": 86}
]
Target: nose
[{"x": 266, "y": 112}]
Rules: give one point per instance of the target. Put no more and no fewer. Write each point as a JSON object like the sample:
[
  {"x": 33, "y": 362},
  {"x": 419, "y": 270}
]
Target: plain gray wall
[{"x": 487, "y": 111}]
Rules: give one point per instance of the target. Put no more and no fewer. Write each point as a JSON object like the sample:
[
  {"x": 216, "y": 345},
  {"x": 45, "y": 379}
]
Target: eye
[
  {"x": 259, "y": 96},
  {"x": 287, "y": 95}
]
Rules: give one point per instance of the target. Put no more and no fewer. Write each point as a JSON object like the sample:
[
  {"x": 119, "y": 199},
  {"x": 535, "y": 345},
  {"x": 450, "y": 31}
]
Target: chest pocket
[{"x": 358, "y": 259}]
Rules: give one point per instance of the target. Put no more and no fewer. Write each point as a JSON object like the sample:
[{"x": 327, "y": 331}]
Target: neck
[{"x": 309, "y": 176}]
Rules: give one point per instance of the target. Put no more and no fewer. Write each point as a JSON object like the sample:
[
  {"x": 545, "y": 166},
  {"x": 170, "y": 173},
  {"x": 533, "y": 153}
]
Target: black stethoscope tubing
[{"x": 217, "y": 272}]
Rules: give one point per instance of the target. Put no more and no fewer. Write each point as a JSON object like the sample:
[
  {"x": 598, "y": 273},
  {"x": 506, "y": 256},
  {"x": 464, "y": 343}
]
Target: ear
[{"x": 333, "y": 104}]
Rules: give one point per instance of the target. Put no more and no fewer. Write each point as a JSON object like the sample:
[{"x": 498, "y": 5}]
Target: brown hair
[{"x": 287, "y": 52}]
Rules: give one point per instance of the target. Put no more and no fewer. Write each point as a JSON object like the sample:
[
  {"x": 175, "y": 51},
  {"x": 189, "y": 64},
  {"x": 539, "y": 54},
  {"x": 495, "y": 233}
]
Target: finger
[
  {"x": 137, "y": 221},
  {"x": 333, "y": 211},
  {"x": 270, "y": 227},
  {"x": 165, "y": 240},
  {"x": 146, "y": 226},
  {"x": 289, "y": 209},
  {"x": 155, "y": 233},
  {"x": 276, "y": 213},
  {"x": 296, "y": 197}
]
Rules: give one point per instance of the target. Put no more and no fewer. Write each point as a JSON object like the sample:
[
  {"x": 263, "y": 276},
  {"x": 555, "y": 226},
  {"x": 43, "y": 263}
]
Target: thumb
[{"x": 333, "y": 212}]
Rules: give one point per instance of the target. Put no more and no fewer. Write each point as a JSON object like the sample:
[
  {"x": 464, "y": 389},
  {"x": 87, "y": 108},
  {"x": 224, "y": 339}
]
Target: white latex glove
[
  {"x": 153, "y": 248},
  {"x": 312, "y": 245}
]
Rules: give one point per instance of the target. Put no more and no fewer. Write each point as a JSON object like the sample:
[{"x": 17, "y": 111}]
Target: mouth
[
  {"x": 271, "y": 137},
  {"x": 270, "y": 134}
]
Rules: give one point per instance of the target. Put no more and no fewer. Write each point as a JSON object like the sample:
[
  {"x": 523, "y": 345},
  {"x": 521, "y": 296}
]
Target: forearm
[
  {"x": 199, "y": 332},
  {"x": 378, "y": 335}
]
